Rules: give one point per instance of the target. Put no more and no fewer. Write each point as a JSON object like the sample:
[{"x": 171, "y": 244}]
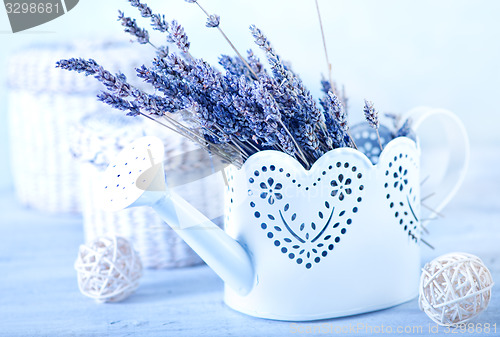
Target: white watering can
[{"x": 341, "y": 238}]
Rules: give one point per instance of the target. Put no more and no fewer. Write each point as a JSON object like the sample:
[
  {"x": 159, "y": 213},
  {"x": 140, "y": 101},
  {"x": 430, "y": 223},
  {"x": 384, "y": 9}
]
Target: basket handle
[{"x": 444, "y": 175}]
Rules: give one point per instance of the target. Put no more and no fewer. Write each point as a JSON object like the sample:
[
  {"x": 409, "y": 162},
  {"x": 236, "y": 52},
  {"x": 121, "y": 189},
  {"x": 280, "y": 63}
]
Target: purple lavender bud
[
  {"x": 172, "y": 88},
  {"x": 255, "y": 63},
  {"x": 300, "y": 99},
  {"x": 78, "y": 65},
  {"x": 261, "y": 39},
  {"x": 309, "y": 104},
  {"x": 144, "y": 9},
  {"x": 176, "y": 64},
  {"x": 234, "y": 66},
  {"x": 405, "y": 130},
  {"x": 335, "y": 120},
  {"x": 339, "y": 112},
  {"x": 336, "y": 109},
  {"x": 159, "y": 23},
  {"x": 162, "y": 52},
  {"x": 178, "y": 36},
  {"x": 116, "y": 84},
  {"x": 371, "y": 114},
  {"x": 325, "y": 85},
  {"x": 267, "y": 102},
  {"x": 119, "y": 103},
  {"x": 286, "y": 142},
  {"x": 307, "y": 138},
  {"x": 213, "y": 20},
  {"x": 131, "y": 27}
]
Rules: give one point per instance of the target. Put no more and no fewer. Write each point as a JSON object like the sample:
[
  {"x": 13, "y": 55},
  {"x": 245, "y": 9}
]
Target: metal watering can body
[{"x": 341, "y": 238}]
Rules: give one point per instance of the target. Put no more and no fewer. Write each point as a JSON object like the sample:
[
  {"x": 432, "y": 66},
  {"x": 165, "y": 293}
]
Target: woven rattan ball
[
  {"x": 454, "y": 288},
  {"x": 108, "y": 269}
]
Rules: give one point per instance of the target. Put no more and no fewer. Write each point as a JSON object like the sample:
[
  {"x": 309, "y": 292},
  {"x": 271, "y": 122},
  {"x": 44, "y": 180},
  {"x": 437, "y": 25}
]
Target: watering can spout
[
  {"x": 221, "y": 252},
  {"x": 137, "y": 178}
]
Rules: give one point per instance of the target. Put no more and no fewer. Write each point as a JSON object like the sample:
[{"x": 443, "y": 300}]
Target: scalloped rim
[{"x": 274, "y": 154}]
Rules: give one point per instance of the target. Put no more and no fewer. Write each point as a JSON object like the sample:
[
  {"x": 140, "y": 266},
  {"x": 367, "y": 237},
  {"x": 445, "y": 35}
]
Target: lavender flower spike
[
  {"x": 339, "y": 114},
  {"x": 333, "y": 113},
  {"x": 78, "y": 65},
  {"x": 131, "y": 27},
  {"x": 326, "y": 86},
  {"x": 145, "y": 10},
  {"x": 213, "y": 20},
  {"x": 115, "y": 84},
  {"x": 157, "y": 21},
  {"x": 371, "y": 116},
  {"x": 119, "y": 103},
  {"x": 178, "y": 36},
  {"x": 405, "y": 129}
]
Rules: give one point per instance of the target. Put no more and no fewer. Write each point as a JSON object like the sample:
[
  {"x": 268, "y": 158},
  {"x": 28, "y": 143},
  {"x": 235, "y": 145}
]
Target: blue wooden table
[{"x": 39, "y": 294}]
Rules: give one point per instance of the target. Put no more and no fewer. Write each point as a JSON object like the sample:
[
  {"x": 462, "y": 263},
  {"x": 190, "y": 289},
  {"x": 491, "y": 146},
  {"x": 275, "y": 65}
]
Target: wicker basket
[
  {"x": 42, "y": 103},
  {"x": 99, "y": 138}
]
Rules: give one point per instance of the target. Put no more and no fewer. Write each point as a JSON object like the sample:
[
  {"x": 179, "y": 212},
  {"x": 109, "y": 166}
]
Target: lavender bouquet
[{"x": 233, "y": 113}]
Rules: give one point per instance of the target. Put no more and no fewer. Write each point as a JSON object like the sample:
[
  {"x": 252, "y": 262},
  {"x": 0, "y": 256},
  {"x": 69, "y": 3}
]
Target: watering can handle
[{"x": 441, "y": 191}]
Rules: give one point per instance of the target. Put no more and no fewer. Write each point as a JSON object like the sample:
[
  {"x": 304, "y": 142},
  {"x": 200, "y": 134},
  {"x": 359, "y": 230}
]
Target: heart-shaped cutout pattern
[
  {"x": 306, "y": 234},
  {"x": 306, "y": 214},
  {"x": 402, "y": 194}
]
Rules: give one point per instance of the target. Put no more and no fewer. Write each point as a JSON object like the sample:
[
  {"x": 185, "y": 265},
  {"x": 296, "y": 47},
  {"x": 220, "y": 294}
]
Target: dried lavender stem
[
  {"x": 352, "y": 140},
  {"x": 239, "y": 55},
  {"x": 200, "y": 139},
  {"x": 181, "y": 126},
  {"x": 345, "y": 100},
  {"x": 205, "y": 145},
  {"x": 428, "y": 244},
  {"x": 231, "y": 44},
  {"x": 222, "y": 131},
  {"x": 210, "y": 132},
  {"x": 253, "y": 146},
  {"x": 328, "y": 64},
  {"x": 304, "y": 162},
  {"x": 244, "y": 145},
  {"x": 162, "y": 124},
  {"x": 222, "y": 155},
  {"x": 240, "y": 149},
  {"x": 427, "y": 196},
  {"x": 190, "y": 135},
  {"x": 180, "y": 129},
  {"x": 379, "y": 141},
  {"x": 324, "y": 131},
  {"x": 432, "y": 210},
  {"x": 279, "y": 147},
  {"x": 202, "y": 143},
  {"x": 297, "y": 146}
]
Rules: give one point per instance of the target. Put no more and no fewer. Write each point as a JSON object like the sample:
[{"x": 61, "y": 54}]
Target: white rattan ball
[
  {"x": 108, "y": 269},
  {"x": 454, "y": 288}
]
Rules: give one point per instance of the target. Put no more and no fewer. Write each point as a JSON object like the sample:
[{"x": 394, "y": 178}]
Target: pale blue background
[{"x": 399, "y": 53}]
